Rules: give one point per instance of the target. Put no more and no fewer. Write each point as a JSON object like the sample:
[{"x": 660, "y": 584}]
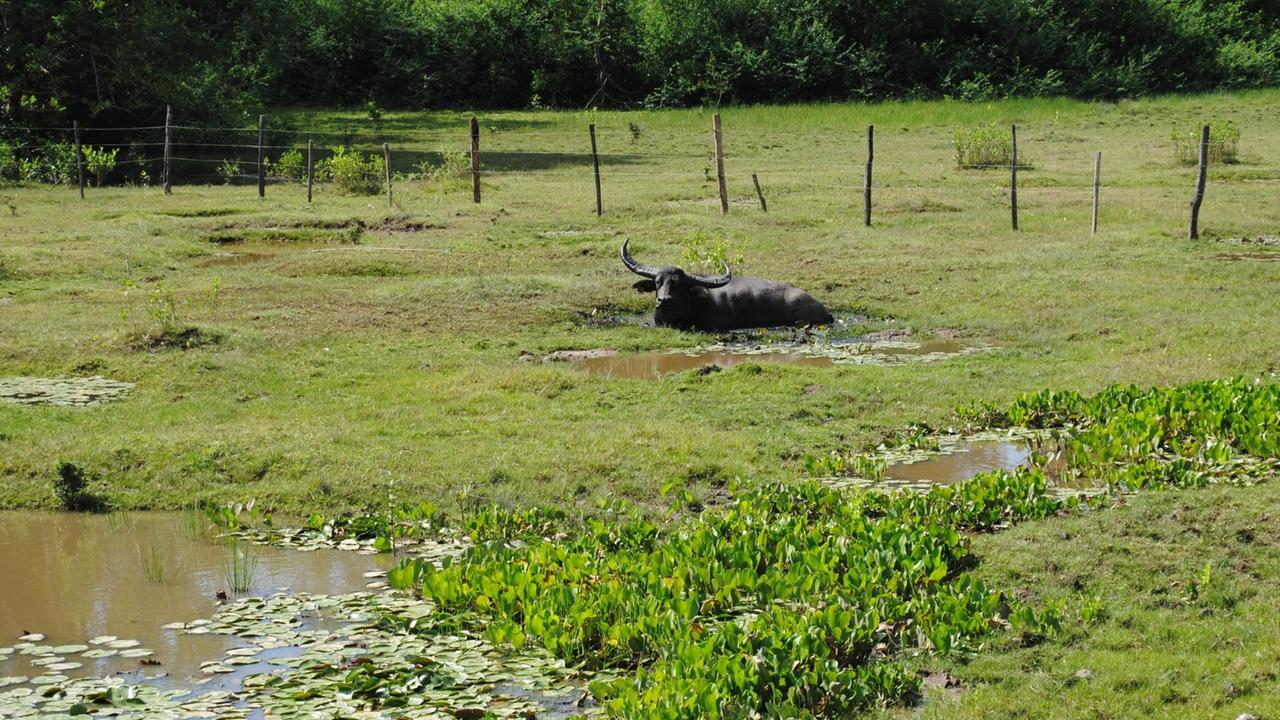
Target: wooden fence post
[
  {"x": 475, "y": 160},
  {"x": 168, "y": 149},
  {"x": 719, "y": 143},
  {"x": 79, "y": 158},
  {"x": 756, "y": 181},
  {"x": 866, "y": 188},
  {"x": 262, "y": 168},
  {"x": 311, "y": 171},
  {"x": 1097, "y": 179},
  {"x": 386, "y": 163},
  {"x": 1198, "y": 198},
  {"x": 595, "y": 161},
  {"x": 1013, "y": 179}
]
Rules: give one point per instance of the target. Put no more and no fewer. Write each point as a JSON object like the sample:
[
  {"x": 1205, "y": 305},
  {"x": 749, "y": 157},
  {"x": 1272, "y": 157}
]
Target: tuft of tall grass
[
  {"x": 983, "y": 146},
  {"x": 155, "y": 559},
  {"x": 1224, "y": 142},
  {"x": 240, "y": 566}
]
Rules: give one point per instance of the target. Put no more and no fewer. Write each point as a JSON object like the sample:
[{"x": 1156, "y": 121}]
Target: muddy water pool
[
  {"x": 99, "y": 590},
  {"x": 817, "y": 353}
]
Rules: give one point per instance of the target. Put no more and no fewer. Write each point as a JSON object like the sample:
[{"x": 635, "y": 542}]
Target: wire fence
[{"x": 174, "y": 154}]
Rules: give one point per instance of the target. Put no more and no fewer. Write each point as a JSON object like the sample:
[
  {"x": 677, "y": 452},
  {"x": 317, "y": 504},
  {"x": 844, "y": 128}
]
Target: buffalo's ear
[{"x": 645, "y": 286}]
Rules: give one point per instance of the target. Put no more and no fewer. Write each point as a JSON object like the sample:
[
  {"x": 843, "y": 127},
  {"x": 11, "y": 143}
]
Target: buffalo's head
[{"x": 678, "y": 291}]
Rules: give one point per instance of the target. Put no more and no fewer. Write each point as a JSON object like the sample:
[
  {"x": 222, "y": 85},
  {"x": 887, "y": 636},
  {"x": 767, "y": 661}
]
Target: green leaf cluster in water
[
  {"x": 790, "y": 602},
  {"x": 1131, "y": 438}
]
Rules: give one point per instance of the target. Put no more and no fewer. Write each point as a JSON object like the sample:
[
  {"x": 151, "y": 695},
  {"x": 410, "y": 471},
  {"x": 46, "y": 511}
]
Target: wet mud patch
[
  {"x": 66, "y": 392},
  {"x": 867, "y": 350},
  {"x": 178, "y": 337},
  {"x": 403, "y": 224}
]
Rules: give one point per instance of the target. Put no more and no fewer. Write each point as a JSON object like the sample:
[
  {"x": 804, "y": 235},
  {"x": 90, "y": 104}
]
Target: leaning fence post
[
  {"x": 866, "y": 188},
  {"x": 1097, "y": 178},
  {"x": 168, "y": 149},
  {"x": 595, "y": 161},
  {"x": 1013, "y": 178},
  {"x": 79, "y": 158},
  {"x": 719, "y": 143},
  {"x": 386, "y": 163},
  {"x": 475, "y": 160},
  {"x": 311, "y": 171},
  {"x": 1198, "y": 198},
  {"x": 262, "y": 168},
  {"x": 760, "y": 194}
]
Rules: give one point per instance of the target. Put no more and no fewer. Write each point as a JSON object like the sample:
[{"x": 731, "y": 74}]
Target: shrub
[
  {"x": 983, "y": 146},
  {"x": 228, "y": 170},
  {"x": 351, "y": 172},
  {"x": 1224, "y": 138},
  {"x": 8, "y": 162},
  {"x": 290, "y": 166},
  {"x": 100, "y": 162},
  {"x": 69, "y": 486}
]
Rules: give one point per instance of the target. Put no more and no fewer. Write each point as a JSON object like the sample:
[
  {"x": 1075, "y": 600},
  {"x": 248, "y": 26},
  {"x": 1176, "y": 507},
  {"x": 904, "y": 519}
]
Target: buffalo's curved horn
[
  {"x": 635, "y": 267},
  {"x": 714, "y": 281}
]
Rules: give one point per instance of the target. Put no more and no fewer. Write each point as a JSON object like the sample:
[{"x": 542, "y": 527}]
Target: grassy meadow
[
  {"x": 341, "y": 374},
  {"x": 345, "y": 354}
]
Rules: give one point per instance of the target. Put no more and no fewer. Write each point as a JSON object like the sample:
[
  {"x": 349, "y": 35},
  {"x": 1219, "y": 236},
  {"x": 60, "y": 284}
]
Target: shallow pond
[{"x": 74, "y": 578}]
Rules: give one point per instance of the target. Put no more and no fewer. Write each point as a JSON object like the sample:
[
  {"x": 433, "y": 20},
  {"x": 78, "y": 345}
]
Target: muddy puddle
[
  {"x": 99, "y": 595},
  {"x": 853, "y": 351},
  {"x": 956, "y": 459}
]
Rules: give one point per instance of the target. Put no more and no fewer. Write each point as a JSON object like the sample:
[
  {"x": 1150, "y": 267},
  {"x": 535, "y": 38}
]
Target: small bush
[
  {"x": 56, "y": 163},
  {"x": 454, "y": 165},
  {"x": 228, "y": 170},
  {"x": 1224, "y": 139},
  {"x": 100, "y": 162},
  {"x": 290, "y": 166},
  {"x": 70, "y": 485},
  {"x": 8, "y": 163},
  {"x": 351, "y": 172},
  {"x": 983, "y": 146}
]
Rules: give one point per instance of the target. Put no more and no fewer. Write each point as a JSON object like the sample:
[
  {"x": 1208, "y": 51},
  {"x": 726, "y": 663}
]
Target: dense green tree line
[{"x": 125, "y": 59}]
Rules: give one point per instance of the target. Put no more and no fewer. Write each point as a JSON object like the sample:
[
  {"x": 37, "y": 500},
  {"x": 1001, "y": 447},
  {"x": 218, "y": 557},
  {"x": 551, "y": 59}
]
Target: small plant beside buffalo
[
  {"x": 1224, "y": 141},
  {"x": 701, "y": 252}
]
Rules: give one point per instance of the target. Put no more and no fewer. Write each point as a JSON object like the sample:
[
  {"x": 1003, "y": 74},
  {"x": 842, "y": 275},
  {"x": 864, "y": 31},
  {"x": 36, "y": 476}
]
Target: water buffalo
[{"x": 715, "y": 303}]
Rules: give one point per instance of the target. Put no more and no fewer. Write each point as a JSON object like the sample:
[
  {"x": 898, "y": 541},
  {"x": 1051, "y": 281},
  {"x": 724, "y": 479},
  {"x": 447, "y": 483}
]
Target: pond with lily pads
[{"x": 160, "y": 615}]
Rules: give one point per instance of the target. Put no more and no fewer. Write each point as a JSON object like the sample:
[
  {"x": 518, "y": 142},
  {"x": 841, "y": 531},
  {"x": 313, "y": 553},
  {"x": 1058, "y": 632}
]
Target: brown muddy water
[
  {"x": 77, "y": 579},
  {"x": 852, "y": 351},
  {"x": 969, "y": 458}
]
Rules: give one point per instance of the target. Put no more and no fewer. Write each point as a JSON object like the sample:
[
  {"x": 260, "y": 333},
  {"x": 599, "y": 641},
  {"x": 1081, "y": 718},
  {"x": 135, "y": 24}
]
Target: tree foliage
[{"x": 126, "y": 60}]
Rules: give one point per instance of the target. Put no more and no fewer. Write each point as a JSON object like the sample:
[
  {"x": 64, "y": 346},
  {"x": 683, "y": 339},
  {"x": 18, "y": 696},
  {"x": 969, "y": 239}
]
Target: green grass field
[
  {"x": 326, "y": 374},
  {"x": 349, "y": 374}
]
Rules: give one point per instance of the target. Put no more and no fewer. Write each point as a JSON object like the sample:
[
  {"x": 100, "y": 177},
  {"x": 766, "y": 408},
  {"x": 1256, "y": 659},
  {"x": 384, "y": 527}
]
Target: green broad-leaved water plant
[{"x": 791, "y": 602}]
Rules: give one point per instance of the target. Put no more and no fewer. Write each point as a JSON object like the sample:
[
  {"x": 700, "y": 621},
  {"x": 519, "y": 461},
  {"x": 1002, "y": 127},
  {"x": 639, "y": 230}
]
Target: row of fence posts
[{"x": 718, "y": 145}]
